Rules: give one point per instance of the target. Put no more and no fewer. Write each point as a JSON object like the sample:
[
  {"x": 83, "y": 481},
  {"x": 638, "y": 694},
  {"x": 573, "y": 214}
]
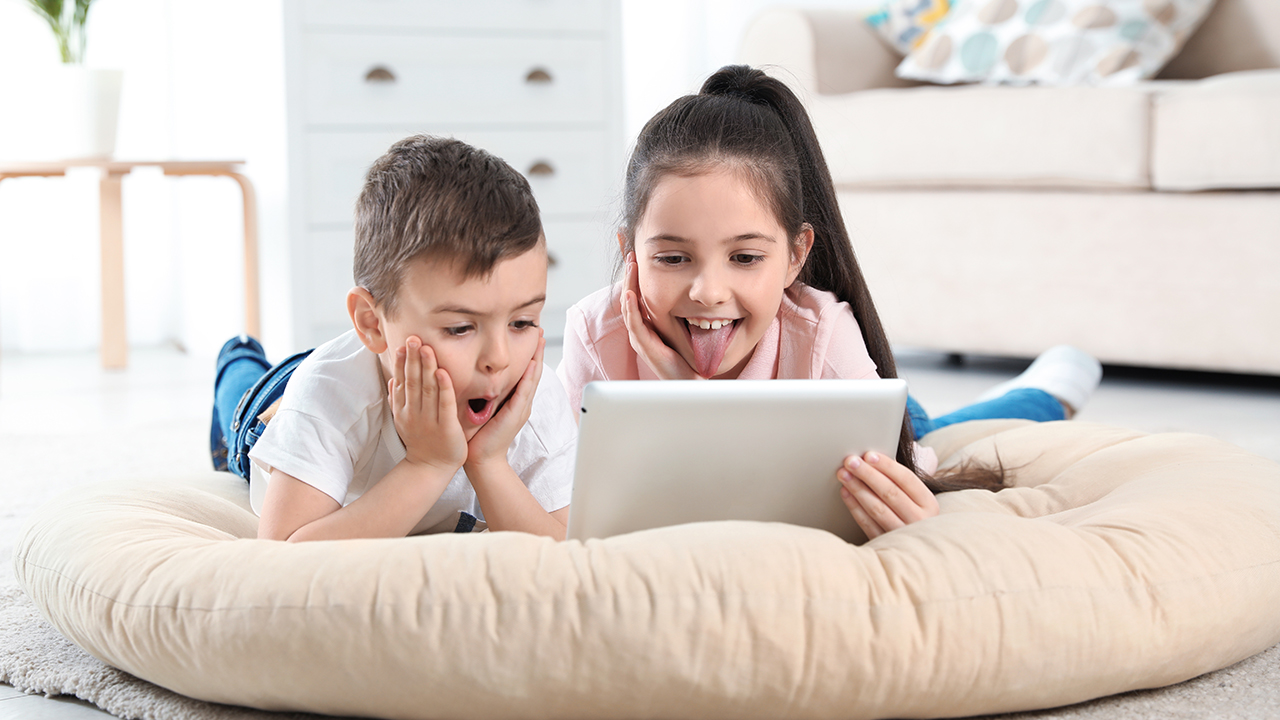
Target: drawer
[
  {"x": 566, "y": 169},
  {"x": 584, "y": 254},
  {"x": 414, "y": 79},
  {"x": 326, "y": 260},
  {"x": 503, "y": 15}
]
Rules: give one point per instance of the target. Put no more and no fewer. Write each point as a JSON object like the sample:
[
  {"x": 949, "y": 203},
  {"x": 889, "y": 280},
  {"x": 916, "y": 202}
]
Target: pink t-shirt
[{"x": 813, "y": 336}]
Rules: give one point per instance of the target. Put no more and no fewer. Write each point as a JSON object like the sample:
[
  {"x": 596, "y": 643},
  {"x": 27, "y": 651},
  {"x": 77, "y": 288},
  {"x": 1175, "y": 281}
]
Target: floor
[{"x": 70, "y": 422}]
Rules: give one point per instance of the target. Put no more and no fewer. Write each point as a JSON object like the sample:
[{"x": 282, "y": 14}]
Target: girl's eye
[
  {"x": 746, "y": 258},
  {"x": 524, "y": 324},
  {"x": 457, "y": 330},
  {"x": 670, "y": 260}
]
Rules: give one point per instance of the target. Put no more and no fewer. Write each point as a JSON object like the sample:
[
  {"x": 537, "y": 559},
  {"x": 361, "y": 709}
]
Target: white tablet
[{"x": 657, "y": 453}]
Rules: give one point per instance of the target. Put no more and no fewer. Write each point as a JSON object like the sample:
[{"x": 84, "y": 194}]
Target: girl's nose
[{"x": 709, "y": 288}]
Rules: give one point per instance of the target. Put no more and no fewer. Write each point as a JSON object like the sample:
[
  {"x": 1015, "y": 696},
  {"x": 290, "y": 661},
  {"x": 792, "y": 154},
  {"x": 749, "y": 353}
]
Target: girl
[{"x": 738, "y": 265}]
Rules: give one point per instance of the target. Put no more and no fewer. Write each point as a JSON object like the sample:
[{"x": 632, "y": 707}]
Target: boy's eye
[
  {"x": 746, "y": 258},
  {"x": 457, "y": 330}
]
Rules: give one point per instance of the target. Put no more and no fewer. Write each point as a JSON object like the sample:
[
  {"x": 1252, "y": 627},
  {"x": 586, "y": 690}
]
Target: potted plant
[
  {"x": 71, "y": 111},
  {"x": 67, "y": 22}
]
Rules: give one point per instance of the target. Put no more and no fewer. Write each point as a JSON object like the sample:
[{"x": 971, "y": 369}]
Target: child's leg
[
  {"x": 240, "y": 363},
  {"x": 921, "y": 425},
  {"x": 1057, "y": 384},
  {"x": 1019, "y": 403},
  {"x": 1067, "y": 373}
]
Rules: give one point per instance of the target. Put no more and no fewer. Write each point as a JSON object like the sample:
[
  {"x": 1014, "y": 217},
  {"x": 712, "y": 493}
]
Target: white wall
[
  {"x": 205, "y": 81},
  {"x": 671, "y": 46}
]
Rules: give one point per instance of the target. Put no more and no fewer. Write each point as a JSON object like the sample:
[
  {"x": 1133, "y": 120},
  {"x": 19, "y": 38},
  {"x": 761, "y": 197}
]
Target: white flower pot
[{"x": 66, "y": 112}]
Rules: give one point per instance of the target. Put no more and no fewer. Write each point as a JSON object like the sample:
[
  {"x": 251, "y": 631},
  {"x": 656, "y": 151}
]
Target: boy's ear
[
  {"x": 366, "y": 319},
  {"x": 800, "y": 252}
]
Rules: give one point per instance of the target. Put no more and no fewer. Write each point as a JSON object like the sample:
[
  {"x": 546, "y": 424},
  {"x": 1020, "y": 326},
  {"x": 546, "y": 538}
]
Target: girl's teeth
[{"x": 711, "y": 324}]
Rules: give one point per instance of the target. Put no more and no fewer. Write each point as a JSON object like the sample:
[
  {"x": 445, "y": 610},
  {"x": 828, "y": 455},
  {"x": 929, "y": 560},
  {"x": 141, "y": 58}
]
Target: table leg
[
  {"x": 115, "y": 345},
  {"x": 252, "y": 315}
]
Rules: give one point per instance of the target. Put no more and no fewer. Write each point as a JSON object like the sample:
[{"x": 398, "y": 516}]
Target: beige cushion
[
  {"x": 1120, "y": 561},
  {"x": 1219, "y": 133},
  {"x": 986, "y": 136},
  {"x": 1237, "y": 35}
]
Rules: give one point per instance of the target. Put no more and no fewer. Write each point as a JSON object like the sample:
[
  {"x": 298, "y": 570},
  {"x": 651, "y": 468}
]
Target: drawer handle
[
  {"x": 542, "y": 168},
  {"x": 379, "y": 74},
  {"x": 537, "y": 76}
]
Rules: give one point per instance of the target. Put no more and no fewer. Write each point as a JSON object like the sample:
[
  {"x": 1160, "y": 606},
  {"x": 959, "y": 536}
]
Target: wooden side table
[{"x": 115, "y": 344}]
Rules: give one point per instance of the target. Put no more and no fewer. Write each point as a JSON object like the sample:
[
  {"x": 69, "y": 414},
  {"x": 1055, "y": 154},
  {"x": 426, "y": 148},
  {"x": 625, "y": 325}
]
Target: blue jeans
[
  {"x": 1020, "y": 403},
  {"x": 245, "y": 385}
]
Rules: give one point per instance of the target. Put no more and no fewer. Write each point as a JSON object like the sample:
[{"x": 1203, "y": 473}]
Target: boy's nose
[{"x": 494, "y": 357}]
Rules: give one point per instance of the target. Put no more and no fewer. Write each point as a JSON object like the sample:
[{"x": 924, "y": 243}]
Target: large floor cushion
[{"x": 1119, "y": 561}]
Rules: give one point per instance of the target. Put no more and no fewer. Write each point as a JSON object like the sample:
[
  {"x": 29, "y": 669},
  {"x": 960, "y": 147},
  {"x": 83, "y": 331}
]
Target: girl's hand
[
  {"x": 425, "y": 410},
  {"x": 666, "y": 363},
  {"x": 882, "y": 494},
  {"x": 493, "y": 440}
]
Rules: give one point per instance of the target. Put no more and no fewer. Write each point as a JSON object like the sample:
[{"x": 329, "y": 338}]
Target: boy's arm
[
  {"x": 425, "y": 413},
  {"x": 508, "y": 505},
  {"x": 296, "y": 511},
  {"x": 504, "y": 498}
]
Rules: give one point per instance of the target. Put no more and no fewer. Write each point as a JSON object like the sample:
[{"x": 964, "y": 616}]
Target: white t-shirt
[{"x": 334, "y": 431}]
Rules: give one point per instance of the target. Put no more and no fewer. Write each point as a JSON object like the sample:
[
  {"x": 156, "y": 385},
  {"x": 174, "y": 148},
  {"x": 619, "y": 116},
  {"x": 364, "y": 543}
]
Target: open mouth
[
  {"x": 479, "y": 410},
  {"x": 710, "y": 339}
]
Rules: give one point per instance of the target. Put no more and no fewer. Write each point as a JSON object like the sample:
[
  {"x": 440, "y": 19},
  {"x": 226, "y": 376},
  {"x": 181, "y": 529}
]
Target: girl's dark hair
[{"x": 751, "y": 123}]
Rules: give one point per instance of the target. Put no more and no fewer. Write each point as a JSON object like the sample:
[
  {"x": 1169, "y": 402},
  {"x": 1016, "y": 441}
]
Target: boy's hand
[
  {"x": 882, "y": 494},
  {"x": 665, "y": 362},
  {"x": 425, "y": 410},
  {"x": 491, "y": 442}
]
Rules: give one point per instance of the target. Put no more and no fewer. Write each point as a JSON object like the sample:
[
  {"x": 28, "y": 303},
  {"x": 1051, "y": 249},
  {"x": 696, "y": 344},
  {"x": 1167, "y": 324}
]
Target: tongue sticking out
[{"x": 709, "y": 347}]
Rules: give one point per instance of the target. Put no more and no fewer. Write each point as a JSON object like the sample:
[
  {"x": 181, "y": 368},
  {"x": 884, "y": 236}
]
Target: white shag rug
[{"x": 36, "y": 659}]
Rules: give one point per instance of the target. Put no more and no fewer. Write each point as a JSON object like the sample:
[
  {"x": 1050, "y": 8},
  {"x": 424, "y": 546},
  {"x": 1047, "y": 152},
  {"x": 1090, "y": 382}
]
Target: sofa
[{"x": 1140, "y": 223}]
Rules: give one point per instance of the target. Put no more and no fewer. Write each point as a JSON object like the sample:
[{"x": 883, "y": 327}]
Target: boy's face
[{"x": 484, "y": 330}]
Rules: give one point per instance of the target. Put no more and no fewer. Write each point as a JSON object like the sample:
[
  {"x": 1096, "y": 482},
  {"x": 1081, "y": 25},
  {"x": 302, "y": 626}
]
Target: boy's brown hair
[{"x": 439, "y": 199}]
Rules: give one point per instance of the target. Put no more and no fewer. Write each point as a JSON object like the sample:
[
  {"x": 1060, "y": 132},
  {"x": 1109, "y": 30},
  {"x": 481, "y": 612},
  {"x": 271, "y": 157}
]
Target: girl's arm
[{"x": 882, "y": 494}]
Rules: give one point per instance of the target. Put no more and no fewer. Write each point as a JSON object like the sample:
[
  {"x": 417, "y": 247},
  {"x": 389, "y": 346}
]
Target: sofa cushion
[
  {"x": 1054, "y": 42},
  {"x": 987, "y": 137},
  {"x": 1237, "y": 35},
  {"x": 1219, "y": 133}
]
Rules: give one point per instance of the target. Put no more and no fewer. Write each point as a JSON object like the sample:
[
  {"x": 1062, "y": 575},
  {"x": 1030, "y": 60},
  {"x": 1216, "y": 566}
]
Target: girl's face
[{"x": 712, "y": 263}]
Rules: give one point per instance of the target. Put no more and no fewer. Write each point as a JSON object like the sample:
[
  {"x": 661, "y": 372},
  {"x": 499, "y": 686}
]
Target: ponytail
[{"x": 753, "y": 122}]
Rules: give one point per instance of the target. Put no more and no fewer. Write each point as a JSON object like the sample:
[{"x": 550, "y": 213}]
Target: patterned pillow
[
  {"x": 904, "y": 23},
  {"x": 1054, "y": 42}
]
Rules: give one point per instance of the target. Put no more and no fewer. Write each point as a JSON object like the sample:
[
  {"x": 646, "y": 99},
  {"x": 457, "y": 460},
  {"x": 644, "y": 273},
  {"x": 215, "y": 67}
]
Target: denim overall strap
[{"x": 246, "y": 428}]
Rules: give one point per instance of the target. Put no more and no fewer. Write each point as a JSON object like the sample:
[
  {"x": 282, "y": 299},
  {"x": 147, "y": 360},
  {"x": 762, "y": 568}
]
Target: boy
[{"x": 432, "y": 413}]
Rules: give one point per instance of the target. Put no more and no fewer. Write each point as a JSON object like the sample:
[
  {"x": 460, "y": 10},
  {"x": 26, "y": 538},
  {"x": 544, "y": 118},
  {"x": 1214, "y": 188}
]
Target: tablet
[{"x": 657, "y": 453}]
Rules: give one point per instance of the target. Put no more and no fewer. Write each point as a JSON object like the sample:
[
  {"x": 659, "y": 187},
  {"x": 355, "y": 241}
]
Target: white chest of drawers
[{"x": 536, "y": 82}]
